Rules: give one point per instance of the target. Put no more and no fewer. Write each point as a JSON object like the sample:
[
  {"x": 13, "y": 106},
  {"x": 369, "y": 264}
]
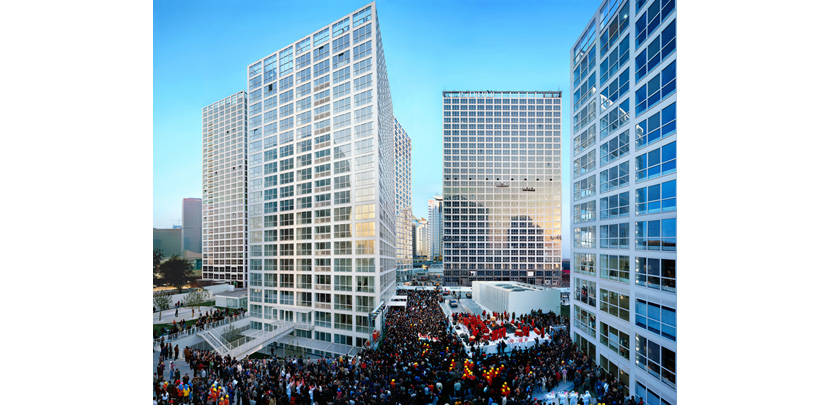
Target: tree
[
  {"x": 176, "y": 271},
  {"x": 158, "y": 257},
  {"x": 231, "y": 333},
  {"x": 195, "y": 297},
  {"x": 161, "y": 300}
]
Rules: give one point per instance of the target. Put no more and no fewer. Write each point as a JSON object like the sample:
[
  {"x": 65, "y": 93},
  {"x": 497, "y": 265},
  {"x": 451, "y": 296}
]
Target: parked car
[
  {"x": 469, "y": 295},
  {"x": 453, "y": 303}
]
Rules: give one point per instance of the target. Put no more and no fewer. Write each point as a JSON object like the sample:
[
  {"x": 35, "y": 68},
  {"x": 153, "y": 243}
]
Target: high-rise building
[
  {"x": 224, "y": 221},
  {"x": 403, "y": 202},
  {"x": 421, "y": 238},
  {"x": 502, "y": 187},
  {"x": 192, "y": 225},
  {"x": 436, "y": 227},
  {"x": 321, "y": 178},
  {"x": 169, "y": 241},
  {"x": 624, "y": 195}
]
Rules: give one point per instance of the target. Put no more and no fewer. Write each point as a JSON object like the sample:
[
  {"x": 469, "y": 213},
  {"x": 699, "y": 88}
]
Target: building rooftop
[{"x": 504, "y": 94}]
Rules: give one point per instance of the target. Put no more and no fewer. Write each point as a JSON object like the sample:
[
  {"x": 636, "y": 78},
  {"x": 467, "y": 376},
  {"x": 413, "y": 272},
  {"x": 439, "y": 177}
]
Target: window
[
  {"x": 615, "y": 206},
  {"x": 658, "y": 162},
  {"x": 340, "y": 59},
  {"x": 363, "y": 66},
  {"x": 339, "y": 28},
  {"x": 615, "y": 90},
  {"x": 342, "y": 214},
  {"x": 613, "y": 178},
  {"x": 341, "y": 166},
  {"x": 585, "y": 187},
  {"x": 362, "y": 33},
  {"x": 585, "y": 91},
  {"x": 362, "y": 50},
  {"x": 614, "y": 268},
  {"x": 286, "y": 62},
  {"x": 321, "y": 68},
  {"x": 614, "y": 236},
  {"x": 657, "y": 51},
  {"x": 585, "y": 237},
  {"x": 657, "y": 360},
  {"x": 615, "y": 304},
  {"x": 657, "y": 198},
  {"x": 365, "y": 283},
  {"x": 618, "y": 24},
  {"x": 303, "y": 61},
  {"x": 656, "y": 273},
  {"x": 585, "y": 263},
  {"x": 585, "y": 321},
  {"x": 651, "y": 19},
  {"x": 613, "y": 339},
  {"x": 342, "y": 283},
  {"x": 340, "y": 75},
  {"x": 585, "y": 116},
  {"x": 585, "y": 291},
  {"x": 322, "y": 319},
  {"x": 343, "y": 321},
  {"x": 286, "y": 83},
  {"x": 586, "y": 65},
  {"x": 657, "y": 235},
  {"x": 585, "y": 140},
  {"x": 363, "y": 114},
  {"x": 321, "y": 82},
  {"x": 616, "y": 118},
  {"x": 322, "y": 36},
  {"x": 255, "y": 69},
  {"x": 362, "y": 98},
  {"x": 617, "y": 58},
  {"x": 341, "y": 90},
  {"x": 614, "y": 149},
  {"x": 585, "y": 212},
  {"x": 342, "y": 120},
  {"x": 340, "y": 106},
  {"x": 342, "y": 302},
  {"x": 585, "y": 164},
  {"x": 657, "y": 89},
  {"x": 656, "y": 127},
  {"x": 363, "y": 130},
  {"x": 305, "y": 90},
  {"x": 660, "y": 319},
  {"x": 365, "y": 265}
]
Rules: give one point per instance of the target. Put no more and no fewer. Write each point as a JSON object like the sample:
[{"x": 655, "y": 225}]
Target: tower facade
[
  {"x": 436, "y": 227},
  {"x": 403, "y": 202},
  {"x": 623, "y": 75},
  {"x": 502, "y": 182},
  {"x": 192, "y": 225},
  {"x": 321, "y": 182},
  {"x": 224, "y": 221}
]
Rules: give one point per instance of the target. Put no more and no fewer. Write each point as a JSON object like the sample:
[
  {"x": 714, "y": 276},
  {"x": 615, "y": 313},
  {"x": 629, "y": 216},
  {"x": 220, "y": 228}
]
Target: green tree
[
  {"x": 158, "y": 257},
  {"x": 161, "y": 300},
  {"x": 177, "y": 272}
]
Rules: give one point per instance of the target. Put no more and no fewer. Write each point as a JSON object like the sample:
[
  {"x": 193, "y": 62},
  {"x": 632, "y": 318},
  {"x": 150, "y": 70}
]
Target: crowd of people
[
  {"x": 419, "y": 361},
  {"x": 208, "y": 317}
]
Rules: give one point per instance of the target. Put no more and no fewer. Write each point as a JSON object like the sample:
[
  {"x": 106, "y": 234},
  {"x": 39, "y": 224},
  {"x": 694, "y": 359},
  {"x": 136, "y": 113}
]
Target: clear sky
[{"x": 201, "y": 50}]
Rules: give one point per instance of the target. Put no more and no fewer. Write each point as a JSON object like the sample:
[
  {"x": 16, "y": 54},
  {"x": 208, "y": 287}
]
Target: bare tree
[
  {"x": 161, "y": 300},
  {"x": 195, "y": 297},
  {"x": 231, "y": 333}
]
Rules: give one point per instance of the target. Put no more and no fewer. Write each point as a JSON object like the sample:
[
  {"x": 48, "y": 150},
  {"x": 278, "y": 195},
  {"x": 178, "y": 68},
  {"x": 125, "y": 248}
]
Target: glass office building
[
  {"x": 224, "y": 221},
  {"x": 436, "y": 227},
  {"x": 502, "y": 182},
  {"x": 403, "y": 202},
  {"x": 624, "y": 266},
  {"x": 321, "y": 184}
]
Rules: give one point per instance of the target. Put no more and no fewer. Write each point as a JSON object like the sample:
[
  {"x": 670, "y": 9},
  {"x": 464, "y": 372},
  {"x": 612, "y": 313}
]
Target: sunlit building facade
[
  {"x": 624, "y": 266},
  {"x": 403, "y": 202},
  {"x": 502, "y": 182},
  {"x": 321, "y": 183},
  {"x": 224, "y": 220}
]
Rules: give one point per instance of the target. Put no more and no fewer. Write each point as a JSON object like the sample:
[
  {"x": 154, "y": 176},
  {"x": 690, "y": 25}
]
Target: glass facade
[
  {"x": 224, "y": 188},
  {"x": 502, "y": 182},
  {"x": 632, "y": 155},
  {"x": 322, "y": 180},
  {"x": 403, "y": 202}
]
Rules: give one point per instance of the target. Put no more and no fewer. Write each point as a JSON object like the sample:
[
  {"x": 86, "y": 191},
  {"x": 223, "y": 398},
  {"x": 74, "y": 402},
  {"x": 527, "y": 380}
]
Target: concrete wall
[{"x": 521, "y": 302}]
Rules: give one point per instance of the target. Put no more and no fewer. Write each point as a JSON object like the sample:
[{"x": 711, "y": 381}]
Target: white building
[
  {"x": 521, "y": 298},
  {"x": 624, "y": 195},
  {"x": 435, "y": 227},
  {"x": 403, "y": 202},
  {"x": 321, "y": 184},
  {"x": 421, "y": 237},
  {"x": 224, "y": 249},
  {"x": 502, "y": 187}
]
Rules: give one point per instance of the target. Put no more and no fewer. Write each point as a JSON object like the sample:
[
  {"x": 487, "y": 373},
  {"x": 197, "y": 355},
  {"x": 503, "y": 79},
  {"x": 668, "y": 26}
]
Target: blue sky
[{"x": 201, "y": 50}]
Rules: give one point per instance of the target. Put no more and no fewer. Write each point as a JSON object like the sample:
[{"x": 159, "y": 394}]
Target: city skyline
[{"x": 418, "y": 73}]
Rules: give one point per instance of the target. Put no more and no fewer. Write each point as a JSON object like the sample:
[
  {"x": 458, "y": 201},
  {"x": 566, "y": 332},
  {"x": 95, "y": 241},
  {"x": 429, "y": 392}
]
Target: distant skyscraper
[
  {"x": 502, "y": 187},
  {"x": 436, "y": 227},
  {"x": 169, "y": 241},
  {"x": 224, "y": 192},
  {"x": 403, "y": 201},
  {"x": 192, "y": 225},
  {"x": 322, "y": 184},
  {"x": 421, "y": 237},
  {"x": 624, "y": 195}
]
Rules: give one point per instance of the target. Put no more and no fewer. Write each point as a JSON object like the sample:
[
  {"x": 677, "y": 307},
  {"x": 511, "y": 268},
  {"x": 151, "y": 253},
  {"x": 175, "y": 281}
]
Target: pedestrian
[{"x": 176, "y": 351}]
